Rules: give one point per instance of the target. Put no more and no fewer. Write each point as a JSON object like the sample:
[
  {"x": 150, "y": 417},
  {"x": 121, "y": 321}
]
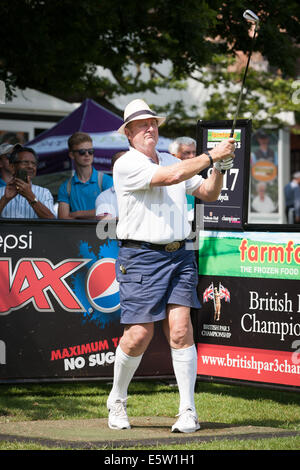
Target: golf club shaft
[{"x": 242, "y": 88}]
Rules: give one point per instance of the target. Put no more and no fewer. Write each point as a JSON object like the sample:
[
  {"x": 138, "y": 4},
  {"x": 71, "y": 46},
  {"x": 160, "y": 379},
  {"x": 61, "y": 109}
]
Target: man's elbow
[
  {"x": 211, "y": 198},
  {"x": 207, "y": 197},
  {"x": 174, "y": 178}
]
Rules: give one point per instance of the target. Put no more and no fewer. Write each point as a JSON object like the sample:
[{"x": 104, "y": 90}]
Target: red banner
[{"x": 258, "y": 365}]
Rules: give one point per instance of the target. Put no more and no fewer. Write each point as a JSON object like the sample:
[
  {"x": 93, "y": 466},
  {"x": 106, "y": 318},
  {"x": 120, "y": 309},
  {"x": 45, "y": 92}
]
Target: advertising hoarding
[
  {"x": 249, "y": 325},
  {"x": 59, "y": 305}
]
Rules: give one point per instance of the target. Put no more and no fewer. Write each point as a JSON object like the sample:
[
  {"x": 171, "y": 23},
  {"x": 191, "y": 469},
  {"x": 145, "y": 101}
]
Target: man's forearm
[
  {"x": 90, "y": 214},
  {"x": 180, "y": 171},
  {"x": 3, "y": 202},
  {"x": 186, "y": 169},
  {"x": 211, "y": 187},
  {"x": 42, "y": 211}
]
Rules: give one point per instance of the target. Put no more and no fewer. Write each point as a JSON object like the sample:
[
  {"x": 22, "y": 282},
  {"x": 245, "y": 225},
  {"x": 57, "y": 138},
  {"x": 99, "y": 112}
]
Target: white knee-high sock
[
  {"x": 185, "y": 369},
  {"x": 124, "y": 369}
]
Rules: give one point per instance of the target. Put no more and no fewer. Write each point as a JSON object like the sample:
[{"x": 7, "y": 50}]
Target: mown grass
[{"x": 216, "y": 403}]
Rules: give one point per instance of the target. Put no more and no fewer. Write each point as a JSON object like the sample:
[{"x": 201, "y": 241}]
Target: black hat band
[{"x": 138, "y": 113}]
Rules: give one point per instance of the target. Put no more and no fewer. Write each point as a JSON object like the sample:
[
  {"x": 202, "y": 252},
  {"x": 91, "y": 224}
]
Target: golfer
[{"x": 157, "y": 275}]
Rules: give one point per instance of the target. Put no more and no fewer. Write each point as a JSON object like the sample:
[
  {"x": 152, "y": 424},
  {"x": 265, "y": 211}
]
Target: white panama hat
[{"x": 136, "y": 110}]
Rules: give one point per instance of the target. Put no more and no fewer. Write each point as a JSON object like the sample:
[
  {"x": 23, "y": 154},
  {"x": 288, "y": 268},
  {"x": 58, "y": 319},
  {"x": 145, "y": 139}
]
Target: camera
[{"x": 22, "y": 175}]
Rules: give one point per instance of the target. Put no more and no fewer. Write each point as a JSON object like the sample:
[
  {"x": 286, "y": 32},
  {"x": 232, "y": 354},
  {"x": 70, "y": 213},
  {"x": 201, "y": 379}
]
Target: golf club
[{"x": 249, "y": 16}]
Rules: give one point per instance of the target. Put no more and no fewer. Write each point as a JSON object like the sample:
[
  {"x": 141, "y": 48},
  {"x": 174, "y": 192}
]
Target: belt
[{"x": 169, "y": 247}]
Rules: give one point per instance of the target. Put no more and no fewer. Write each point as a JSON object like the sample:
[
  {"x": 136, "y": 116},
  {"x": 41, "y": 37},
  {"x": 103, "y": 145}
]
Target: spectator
[
  {"x": 20, "y": 198},
  {"x": 290, "y": 191},
  {"x": 5, "y": 169},
  {"x": 77, "y": 195},
  {"x": 184, "y": 148},
  {"x": 106, "y": 202}
]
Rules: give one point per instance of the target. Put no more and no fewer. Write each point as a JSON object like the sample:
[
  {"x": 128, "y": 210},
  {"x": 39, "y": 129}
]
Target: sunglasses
[{"x": 84, "y": 151}]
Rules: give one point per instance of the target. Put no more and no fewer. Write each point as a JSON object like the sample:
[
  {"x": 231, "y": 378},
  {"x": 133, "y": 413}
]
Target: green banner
[
  {"x": 217, "y": 135},
  {"x": 250, "y": 254}
]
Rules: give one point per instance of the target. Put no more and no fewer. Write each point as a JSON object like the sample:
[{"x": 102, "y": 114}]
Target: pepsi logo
[{"x": 102, "y": 288}]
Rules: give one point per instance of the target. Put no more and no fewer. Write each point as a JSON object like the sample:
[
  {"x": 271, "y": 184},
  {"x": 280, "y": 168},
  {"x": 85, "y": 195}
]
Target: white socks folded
[
  {"x": 185, "y": 369},
  {"x": 124, "y": 369}
]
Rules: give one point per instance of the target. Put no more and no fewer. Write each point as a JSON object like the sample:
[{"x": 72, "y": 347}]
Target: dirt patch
[{"x": 150, "y": 431}]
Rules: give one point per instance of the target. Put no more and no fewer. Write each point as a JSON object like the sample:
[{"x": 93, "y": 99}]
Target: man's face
[
  {"x": 143, "y": 134},
  {"x": 83, "y": 154},
  {"x": 263, "y": 142},
  {"x": 26, "y": 161},
  {"x": 261, "y": 191},
  {"x": 186, "y": 151}
]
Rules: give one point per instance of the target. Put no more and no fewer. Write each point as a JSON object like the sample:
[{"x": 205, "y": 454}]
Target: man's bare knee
[
  {"x": 179, "y": 336},
  {"x": 136, "y": 338},
  {"x": 178, "y": 327}
]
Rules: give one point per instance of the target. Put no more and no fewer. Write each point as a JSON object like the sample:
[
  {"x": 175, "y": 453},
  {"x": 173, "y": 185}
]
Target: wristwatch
[
  {"x": 33, "y": 202},
  {"x": 210, "y": 158}
]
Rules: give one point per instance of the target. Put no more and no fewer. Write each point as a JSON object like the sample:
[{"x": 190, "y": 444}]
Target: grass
[{"x": 216, "y": 403}]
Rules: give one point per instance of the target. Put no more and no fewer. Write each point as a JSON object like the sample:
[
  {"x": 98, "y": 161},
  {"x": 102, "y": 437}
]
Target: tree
[
  {"x": 55, "y": 46},
  {"x": 267, "y": 97}
]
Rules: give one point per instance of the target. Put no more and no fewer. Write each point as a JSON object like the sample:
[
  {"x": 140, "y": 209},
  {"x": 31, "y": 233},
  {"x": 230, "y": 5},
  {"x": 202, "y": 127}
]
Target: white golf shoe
[
  {"x": 187, "y": 421},
  {"x": 117, "y": 418}
]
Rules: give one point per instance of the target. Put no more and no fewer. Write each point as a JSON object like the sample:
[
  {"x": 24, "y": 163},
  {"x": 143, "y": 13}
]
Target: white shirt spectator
[{"x": 107, "y": 204}]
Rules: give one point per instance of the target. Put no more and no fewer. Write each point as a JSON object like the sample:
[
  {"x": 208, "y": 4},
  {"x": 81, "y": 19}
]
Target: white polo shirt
[{"x": 155, "y": 214}]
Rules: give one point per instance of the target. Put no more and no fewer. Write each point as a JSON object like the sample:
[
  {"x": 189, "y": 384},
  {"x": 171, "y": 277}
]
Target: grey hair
[{"x": 174, "y": 146}]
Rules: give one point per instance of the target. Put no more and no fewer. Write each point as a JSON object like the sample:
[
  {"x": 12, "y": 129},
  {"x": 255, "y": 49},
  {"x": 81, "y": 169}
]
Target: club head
[{"x": 250, "y": 16}]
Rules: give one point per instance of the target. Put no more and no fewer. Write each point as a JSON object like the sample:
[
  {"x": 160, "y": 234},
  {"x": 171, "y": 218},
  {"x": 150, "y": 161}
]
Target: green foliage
[
  {"x": 265, "y": 95},
  {"x": 57, "y": 46}
]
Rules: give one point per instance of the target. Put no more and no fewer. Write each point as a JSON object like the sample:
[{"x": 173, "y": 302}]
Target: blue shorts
[{"x": 153, "y": 279}]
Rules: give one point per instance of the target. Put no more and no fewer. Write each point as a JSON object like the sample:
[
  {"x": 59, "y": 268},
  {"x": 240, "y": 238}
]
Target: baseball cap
[{"x": 6, "y": 148}]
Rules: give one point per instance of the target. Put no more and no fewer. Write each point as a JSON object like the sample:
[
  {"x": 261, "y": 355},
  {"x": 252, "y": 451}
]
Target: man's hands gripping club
[{"x": 221, "y": 165}]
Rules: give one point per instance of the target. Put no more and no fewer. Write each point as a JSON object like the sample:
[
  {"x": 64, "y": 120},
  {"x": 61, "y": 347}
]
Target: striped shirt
[{"x": 19, "y": 207}]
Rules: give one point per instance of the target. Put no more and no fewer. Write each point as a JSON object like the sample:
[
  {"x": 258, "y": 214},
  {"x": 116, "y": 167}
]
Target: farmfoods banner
[
  {"x": 249, "y": 325},
  {"x": 59, "y": 304}
]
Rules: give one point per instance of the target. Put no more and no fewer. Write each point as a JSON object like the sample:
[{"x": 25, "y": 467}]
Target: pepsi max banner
[
  {"x": 59, "y": 304},
  {"x": 249, "y": 325},
  {"x": 230, "y": 211}
]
